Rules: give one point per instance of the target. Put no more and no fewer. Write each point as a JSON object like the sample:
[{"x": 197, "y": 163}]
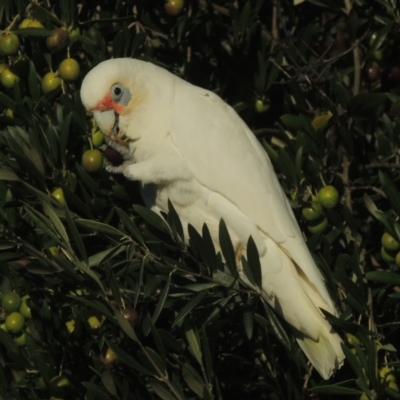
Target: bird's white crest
[{"x": 191, "y": 148}]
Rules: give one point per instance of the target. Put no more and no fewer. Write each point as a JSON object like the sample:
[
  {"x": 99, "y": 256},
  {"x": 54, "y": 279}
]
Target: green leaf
[
  {"x": 379, "y": 40},
  {"x": 162, "y": 390},
  {"x": 297, "y": 123},
  {"x": 188, "y": 308},
  {"x": 206, "y": 354},
  {"x": 41, "y": 223},
  {"x": 193, "y": 379},
  {"x": 76, "y": 237},
  {"x": 127, "y": 359},
  {"x": 85, "y": 268},
  {"x": 277, "y": 327},
  {"x": 161, "y": 301},
  {"x": 227, "y": 249},
  {"x": 64, "y": 135},
  {"x": 159, "y": 343},
  {"x": 130, "y": 226},
  {"x": 391, "y": 191},
  {"x": 7, "y": 101},
  {"x": 152, "y": 218},
  {"x": 34, "y": 32},
  {"x": 126, "y": 327},
  {"x": 192, "y": 336},
  {"x": 248, "y": 320},
  {"x": 174, "y": 222},
  {"x": 99, "y": 227},
  {"x": 394, "y": 394},
  {"x": 7, "y": 341},
  {"x": 357, "y": 368},
  {"x": 364, "y": 103},
  {"x": 248, "y": 272},
  {"x": 274, "y": 72},
  {"x": 390, "y": 278},
  {"x": 170, "y": 342},
  {"x": 208, "y": 250},
  {"x": 194, "y": 384},
  {"x": 156, "y": 359},
  {"x": 253, "y": 259},
  {"x": 96, "y": 391},
  {"x": 199, "y": 287},
  {"x": 139, "y": 283},
  {"x": 334, "y": 390},
  {"x": 99, "y": 258},
  {"x": 8, "y": 175},
  {"x": 94, "y": 304},
  {"x": 34, "y": 87},
  {"x": 287, "y": 166},
  {"x": 352, "y": 290},
  {"x": 379, "y": 215},
  {"x": 57, "y": 224}
]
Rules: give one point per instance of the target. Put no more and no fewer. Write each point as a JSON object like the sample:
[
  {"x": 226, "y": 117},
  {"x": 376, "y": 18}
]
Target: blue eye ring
[
  {"x": 117, "y": 92},
  {"x": 120, "y": 94}
]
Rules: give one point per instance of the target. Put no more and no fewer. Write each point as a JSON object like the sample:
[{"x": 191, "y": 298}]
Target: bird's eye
[
  {"x": 117, "y": 92},
  {"x": 120, "y": 94}
]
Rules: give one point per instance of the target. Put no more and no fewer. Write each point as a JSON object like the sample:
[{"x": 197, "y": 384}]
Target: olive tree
[{"x": 103, "y": 299}]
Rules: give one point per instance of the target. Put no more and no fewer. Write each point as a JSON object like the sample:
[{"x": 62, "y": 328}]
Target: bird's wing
[{"x": 224, "y": 156}]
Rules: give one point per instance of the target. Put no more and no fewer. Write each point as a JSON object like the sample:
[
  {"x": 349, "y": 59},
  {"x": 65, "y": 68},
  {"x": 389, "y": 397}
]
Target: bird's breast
[{"x": 189, "y": 201}]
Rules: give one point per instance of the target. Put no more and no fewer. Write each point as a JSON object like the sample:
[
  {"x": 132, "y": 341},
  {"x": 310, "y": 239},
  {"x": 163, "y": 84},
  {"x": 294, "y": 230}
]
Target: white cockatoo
[{"x": 187, "y": 145}]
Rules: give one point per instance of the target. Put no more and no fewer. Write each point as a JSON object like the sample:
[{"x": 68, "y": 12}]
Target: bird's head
[{"x": 115, "y": 90}]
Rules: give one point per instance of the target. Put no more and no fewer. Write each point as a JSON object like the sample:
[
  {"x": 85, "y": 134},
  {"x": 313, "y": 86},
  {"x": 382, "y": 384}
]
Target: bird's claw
[
  {"x": 125, "y": 151},
  {"x": 118, "y": 156}
]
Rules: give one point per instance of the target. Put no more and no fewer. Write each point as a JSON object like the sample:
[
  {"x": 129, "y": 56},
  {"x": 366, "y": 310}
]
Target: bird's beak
[{"x": 107, "y": 121}]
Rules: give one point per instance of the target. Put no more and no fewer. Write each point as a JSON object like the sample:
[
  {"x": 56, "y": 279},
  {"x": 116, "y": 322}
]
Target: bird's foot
[{"x": 119, "y": 156}]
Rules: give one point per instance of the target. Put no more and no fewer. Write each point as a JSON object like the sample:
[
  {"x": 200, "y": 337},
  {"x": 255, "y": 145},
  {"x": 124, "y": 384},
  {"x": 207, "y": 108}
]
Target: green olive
[
  {"x": 11, "y": 301},
  {"x": 313, "y": 211},
  {"x": 14, "y": 322}
]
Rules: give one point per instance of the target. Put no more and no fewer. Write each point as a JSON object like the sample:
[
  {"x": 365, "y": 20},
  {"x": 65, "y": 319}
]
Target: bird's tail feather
[
  {"x": 291, "y": 294},
  {"x": 326, "y": 354}
]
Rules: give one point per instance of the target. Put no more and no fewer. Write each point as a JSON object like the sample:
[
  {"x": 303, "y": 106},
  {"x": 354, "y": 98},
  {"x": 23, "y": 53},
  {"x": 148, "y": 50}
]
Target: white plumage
[{"x": 191, "y": 147}]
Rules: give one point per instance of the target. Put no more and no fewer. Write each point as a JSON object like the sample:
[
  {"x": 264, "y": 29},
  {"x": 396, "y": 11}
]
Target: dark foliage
[{"x": 121, "y": 307}]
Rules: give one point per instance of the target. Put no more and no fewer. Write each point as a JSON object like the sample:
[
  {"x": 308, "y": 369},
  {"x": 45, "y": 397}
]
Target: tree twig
[
  {"x": 374, "y": 189},
  {"x": 382, "y": 165},
  {"x": 274, "y": 24},
  {"x": 356, "y": 56}
]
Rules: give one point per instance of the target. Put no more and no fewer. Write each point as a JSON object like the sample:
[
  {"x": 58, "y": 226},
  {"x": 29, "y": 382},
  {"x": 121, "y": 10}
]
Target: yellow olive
[
  {"x": 14, "y": 322},
  {"x": 389, "y": 242},
  {"x": 328, "y": 196},
  {"x": 69, "y": 69},
  {"x": 387, "y": 256}
]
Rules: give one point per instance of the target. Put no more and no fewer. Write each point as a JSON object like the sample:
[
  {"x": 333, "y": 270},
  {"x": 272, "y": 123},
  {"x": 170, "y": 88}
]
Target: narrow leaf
[
  {"x": 161, "y": 390},
  {"x": 253, "y": 259},
  {"x": 391, "y": 278},
  {"x": 126, "y": 327},
  {"x": 126, "y": 358},
  {"x": 174, "y": 221},
  {"x": 152, "y": 218},
  {"x": 130, "y": 225},
  {"x": 8, "y": 175},
  {"x": 227, "y": 248},
  {"x": 391, "y": 191},
  {"x": 277, "y": 326},
  {"x": 189, "y": 307},
  {"x": 248, "y": 320},
  {"x": 99, "y": 227},
  {"x": 56, "y": 222},
  {"x": 162, "y": 299},
  {"x": 334, "y": 389},
  {"x": 194, "y": 344}
]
